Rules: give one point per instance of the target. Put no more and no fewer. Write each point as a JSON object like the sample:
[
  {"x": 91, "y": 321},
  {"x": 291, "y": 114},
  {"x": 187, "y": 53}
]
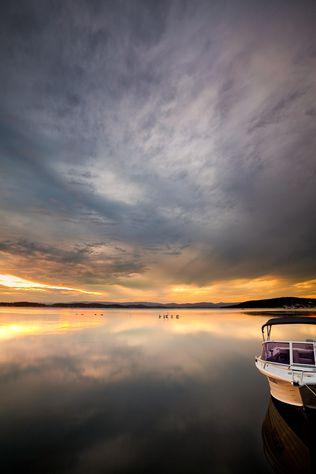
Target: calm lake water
[{"x": 122, "y": 391}]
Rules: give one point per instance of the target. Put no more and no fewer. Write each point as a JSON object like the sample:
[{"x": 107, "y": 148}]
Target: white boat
[{"x": 289, "y": 365}]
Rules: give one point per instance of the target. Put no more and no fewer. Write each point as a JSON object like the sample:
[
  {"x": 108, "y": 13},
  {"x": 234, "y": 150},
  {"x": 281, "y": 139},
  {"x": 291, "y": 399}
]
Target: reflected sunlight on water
[{"x": 126, "y": 391}]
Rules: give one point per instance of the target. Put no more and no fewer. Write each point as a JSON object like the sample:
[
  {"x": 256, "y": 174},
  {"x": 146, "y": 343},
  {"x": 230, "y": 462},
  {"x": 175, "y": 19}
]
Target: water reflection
[
  {"x": 125, "y": 392},
  {"x": 289, "y": 438}
]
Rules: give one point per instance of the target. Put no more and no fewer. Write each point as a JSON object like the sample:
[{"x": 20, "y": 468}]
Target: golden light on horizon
[
  {"x": 17, "y": 283},
  {"x": 15, "y": 288},
  {"x": 242, "y": 289}
]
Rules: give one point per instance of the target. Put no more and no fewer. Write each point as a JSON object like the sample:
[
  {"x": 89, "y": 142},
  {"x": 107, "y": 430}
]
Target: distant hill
[
  {"x": 24, "y": 304},
  {"x": 287, "y": 302},
  {"x": 131, "y": 305}
]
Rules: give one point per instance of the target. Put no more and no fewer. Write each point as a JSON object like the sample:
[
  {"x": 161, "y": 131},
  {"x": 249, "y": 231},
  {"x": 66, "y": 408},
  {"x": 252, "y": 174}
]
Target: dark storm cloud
[
  {"x": 31, "y": 249},
  {"x": 159, "y": 124}
]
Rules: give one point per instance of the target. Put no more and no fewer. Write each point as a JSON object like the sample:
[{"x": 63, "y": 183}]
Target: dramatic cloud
[{"x": 147, "y": 146}]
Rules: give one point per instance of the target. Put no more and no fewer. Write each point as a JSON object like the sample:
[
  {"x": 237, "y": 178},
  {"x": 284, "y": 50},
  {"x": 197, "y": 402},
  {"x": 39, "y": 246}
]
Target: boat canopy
[{"x": 286, "y": 320}]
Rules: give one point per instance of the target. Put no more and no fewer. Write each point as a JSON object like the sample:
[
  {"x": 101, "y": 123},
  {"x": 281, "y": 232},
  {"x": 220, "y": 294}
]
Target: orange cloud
[
  {"x": 241, "y": 289},
  {"x": 17, "y": 283}
]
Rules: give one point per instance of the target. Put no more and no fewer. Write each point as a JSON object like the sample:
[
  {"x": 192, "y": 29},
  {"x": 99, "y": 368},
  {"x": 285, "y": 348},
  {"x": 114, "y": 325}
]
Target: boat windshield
[
  {"x": 276, "y": 352},
  {"x": 302, "y": 352}
]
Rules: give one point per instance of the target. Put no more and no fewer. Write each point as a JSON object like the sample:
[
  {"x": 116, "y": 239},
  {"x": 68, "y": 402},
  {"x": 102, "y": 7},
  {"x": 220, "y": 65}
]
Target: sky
[{"x": 157, "y": 150}]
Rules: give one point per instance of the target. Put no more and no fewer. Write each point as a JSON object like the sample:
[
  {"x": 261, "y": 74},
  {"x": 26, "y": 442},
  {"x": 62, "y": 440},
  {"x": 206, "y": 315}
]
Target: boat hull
[
  {"x": 308, "y": 396},
  {"x": 285, "y": 392},
  {"x": 282, "y": 387}
]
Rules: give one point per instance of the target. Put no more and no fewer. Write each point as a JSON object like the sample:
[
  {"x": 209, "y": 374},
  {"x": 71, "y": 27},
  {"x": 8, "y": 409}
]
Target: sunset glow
[
  {"x": 151, "y": 151},
  {"x": 18, "y": 283},
  {"x": 157, "y": 209}
]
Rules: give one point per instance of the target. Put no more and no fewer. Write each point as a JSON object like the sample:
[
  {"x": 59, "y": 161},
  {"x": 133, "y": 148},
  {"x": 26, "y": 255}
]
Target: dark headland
[{"x": 287, "y": 302}]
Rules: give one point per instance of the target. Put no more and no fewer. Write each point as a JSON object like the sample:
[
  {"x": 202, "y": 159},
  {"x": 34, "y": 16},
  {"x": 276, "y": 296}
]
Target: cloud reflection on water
[{"x": 128, "y": 392}]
